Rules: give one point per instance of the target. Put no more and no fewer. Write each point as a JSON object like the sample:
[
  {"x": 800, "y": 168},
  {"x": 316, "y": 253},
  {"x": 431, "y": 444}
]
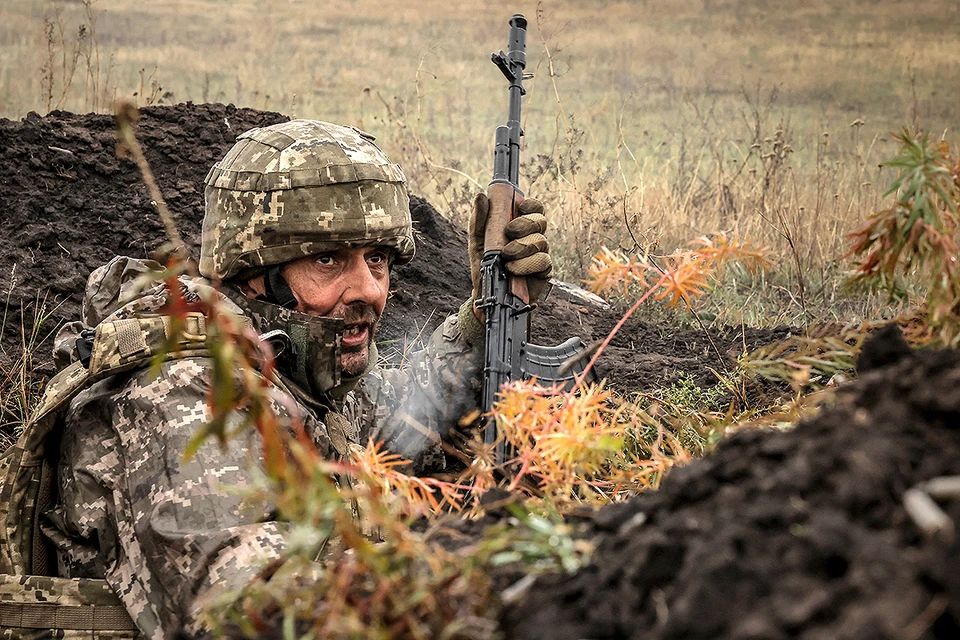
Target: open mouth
[{"x": 355, "y": 334}]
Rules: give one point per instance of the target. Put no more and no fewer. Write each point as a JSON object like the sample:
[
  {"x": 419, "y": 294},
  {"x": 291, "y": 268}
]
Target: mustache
[{"x": 361, "y": 313}]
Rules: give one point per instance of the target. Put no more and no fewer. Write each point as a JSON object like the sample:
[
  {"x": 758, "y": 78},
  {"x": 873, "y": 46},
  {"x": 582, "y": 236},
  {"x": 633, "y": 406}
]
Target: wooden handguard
[
  {"x": 504, "y": 206},
  {"x": 504, "y": 202}
]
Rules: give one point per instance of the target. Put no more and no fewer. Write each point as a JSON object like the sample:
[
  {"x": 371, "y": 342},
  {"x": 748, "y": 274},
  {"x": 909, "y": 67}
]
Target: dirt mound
[
  {"x": 69, "y": 204},
  {"x": 800, "y": 534}
]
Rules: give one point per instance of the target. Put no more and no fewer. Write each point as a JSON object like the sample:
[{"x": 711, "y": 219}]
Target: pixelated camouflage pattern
[
  {"x": 118, "y": 283},
  {"x": 109, "y": 288},
  {"x": 21, "y": 484},
  {"x": 171, "y": 536},
  {"x": 127, "y": 338},
  {"x": 167, "y": 534},
  {"x": 121, "y": 344},
  {"x": 122, "y": 289},
  {"x": 300, "y": 188},
  {"x": 35, "y": 607}
]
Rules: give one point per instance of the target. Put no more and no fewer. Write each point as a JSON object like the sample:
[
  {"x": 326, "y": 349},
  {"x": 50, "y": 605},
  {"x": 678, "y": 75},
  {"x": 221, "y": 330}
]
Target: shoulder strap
[
  {"x": 118, "y": 346},
  {"x": 54, "y": 616}
]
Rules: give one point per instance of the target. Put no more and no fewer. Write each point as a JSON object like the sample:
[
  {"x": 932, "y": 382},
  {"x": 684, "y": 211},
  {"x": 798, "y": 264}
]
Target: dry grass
[
  {"x": 20, "y": 389},
  {"x": 648, "y": 122}
]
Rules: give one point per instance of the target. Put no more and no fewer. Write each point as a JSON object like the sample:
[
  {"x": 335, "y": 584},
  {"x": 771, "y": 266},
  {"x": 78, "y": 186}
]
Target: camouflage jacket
[{"x": 170, "y": 535}]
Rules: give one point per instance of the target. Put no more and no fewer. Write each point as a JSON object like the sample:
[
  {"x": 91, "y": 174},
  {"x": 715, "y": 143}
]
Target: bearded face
[{"x": 350, "y": 284}]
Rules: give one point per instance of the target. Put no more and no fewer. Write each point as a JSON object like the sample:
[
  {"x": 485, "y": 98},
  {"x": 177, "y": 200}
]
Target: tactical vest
[{"x": 34, "y": 603}]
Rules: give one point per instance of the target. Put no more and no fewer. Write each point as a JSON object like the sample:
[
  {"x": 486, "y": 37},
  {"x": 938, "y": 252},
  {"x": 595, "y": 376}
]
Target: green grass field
[{"x": 648, "y": 122}]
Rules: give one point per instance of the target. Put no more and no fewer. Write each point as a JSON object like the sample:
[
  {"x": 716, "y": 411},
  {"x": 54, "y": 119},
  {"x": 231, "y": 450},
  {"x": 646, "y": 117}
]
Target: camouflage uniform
[{"x": 171, "y": 535}]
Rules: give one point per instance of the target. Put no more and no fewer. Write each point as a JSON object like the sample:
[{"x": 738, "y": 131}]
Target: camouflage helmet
[{"x": 300, "y": 188}]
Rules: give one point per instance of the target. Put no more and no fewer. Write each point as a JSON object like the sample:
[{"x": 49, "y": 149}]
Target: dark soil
[
  {"x": 68, "y": 204},
  {"x": 798, "y": 534}
]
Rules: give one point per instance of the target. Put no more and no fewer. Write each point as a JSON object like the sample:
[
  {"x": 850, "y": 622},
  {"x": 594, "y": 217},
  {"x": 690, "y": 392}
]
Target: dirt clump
[{"x": 797, "y": 534}]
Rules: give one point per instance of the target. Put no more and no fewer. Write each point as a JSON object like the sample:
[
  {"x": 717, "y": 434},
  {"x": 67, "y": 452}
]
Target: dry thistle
[
  {"x": 567, "y": 441},
  {"x": 381, "y": 471},
  {"x": 590, "y": 445}
]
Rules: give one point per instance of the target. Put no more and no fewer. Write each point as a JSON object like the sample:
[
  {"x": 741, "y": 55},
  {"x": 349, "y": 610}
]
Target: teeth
[{"x": 351, "y": 331}]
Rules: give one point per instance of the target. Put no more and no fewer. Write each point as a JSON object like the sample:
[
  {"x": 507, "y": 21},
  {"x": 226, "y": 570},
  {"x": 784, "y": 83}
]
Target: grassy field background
[{"x": 648, "y": 123}]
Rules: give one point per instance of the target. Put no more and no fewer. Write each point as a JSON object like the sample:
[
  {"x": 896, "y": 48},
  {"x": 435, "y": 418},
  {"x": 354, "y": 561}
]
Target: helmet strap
[{"x": 278, "y": 292}]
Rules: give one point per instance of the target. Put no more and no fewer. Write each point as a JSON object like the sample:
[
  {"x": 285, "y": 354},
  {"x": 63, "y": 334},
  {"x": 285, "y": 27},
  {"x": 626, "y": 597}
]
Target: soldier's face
[{"x": 351, "y": 284}]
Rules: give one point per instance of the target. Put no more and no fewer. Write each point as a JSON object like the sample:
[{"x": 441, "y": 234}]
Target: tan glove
[{"x": 526, "y": 254}]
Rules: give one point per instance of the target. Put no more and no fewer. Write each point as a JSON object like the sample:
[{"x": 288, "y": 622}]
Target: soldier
[{"x": 303, "y": 223}]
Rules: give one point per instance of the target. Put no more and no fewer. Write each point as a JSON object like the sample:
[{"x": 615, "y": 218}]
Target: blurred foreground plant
[
  {"x": 354, "y": 567},
  {"x": 586, "y": 445}
]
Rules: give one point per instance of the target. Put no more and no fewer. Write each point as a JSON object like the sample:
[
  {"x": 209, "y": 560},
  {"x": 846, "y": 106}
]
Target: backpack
[{"x": 34, "y": 603}]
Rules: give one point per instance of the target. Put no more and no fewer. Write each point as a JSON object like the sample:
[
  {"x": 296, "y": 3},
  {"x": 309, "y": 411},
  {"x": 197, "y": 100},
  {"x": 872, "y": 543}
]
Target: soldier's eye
[
  {"x": 377, "y": 257},
  {"x": 325, "y": 259}
]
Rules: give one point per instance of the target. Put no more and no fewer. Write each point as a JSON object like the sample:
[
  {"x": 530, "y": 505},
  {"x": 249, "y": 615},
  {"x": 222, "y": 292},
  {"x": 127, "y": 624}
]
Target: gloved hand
[{"x": 526, "y": 253}]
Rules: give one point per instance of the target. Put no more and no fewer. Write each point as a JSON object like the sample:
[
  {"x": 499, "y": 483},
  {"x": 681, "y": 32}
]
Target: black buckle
[
  {"x": 278, "y": 292},
  {"x": 84, "y": 347}
]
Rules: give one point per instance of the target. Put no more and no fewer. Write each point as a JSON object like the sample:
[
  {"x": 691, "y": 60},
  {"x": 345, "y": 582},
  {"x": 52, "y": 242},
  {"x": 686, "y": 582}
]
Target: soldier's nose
[{"x": 361, "y": 284}]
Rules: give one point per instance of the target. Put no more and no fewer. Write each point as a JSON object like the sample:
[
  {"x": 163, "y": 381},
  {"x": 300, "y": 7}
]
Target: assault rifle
[{"x": 505, "y": 298}]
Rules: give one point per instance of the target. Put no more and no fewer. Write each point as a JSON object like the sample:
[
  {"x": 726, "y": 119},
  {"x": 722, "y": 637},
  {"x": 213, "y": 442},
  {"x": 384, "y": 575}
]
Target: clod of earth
[{"x": 801, "y": 534}]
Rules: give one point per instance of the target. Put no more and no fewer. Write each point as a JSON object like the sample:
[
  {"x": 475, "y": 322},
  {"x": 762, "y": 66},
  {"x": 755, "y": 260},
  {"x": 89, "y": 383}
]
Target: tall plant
[{"x": 916, "y": 236}]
